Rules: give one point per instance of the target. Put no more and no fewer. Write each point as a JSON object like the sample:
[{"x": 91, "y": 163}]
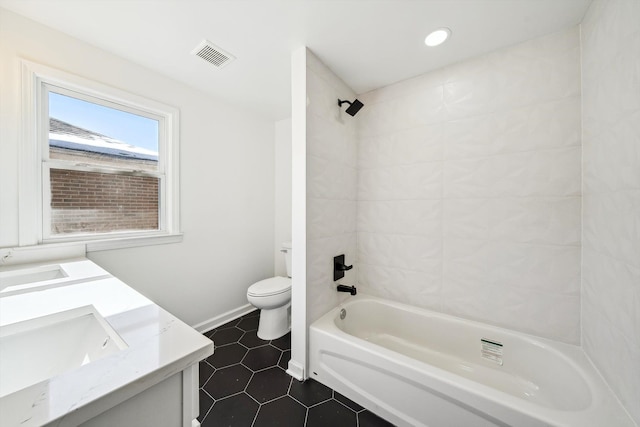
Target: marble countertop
[{"x": 159, "y": 346}]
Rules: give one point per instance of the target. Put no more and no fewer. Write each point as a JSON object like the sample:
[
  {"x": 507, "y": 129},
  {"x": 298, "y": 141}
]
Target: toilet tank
[{"x": 286, "y": 249}]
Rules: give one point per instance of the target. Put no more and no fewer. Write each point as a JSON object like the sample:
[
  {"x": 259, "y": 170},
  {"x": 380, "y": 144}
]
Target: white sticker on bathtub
[{"x": 491, "y": 350}]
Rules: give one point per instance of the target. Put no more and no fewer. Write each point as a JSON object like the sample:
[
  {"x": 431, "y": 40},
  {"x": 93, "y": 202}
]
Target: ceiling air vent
[{"x": 213, "y": 54}]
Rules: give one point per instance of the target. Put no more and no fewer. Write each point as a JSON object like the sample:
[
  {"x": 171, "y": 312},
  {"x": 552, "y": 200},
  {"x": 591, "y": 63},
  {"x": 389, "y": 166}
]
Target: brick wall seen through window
[{"x": 93, "y": 202}]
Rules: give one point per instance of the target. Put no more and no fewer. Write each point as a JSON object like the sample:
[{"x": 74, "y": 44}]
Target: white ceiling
[{"x": 369, "y": 43}]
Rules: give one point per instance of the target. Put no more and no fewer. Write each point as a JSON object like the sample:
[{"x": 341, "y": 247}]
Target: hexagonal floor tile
[
  {"x": 283, "y": 343},
  {"x": 227, "y": 381},
  {"x": 268, "y": 384},
  {"x": 310, "y": 392},
  {"x": 250, "y": 340},
  {"x": 226, "y": 336},
  {"x": 369, "y": 419},
  {"x": 346, "y": 401},
  {"x": 249, "y": 324},
  {"x": 330, "y": 413},
  {"x": 228, "y": 325},
  {"x": 234, "y": 411},
  {"x": 284, "y": 412},
  {"x": 261, "y": 357},
  {"x": 205, "y": 371},
  {"x": 227, "y": 355},
  {"x": 245, "y": 370},
  {"x": 284, "y": 359},
  {"x": 206, "y": 402}
]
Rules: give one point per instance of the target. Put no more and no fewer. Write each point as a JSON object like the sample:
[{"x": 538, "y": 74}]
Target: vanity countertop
[{"x": 158, "y": 346}]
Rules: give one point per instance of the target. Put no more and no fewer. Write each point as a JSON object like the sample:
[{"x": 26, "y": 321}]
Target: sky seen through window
[{"x": 127, "y": 127}]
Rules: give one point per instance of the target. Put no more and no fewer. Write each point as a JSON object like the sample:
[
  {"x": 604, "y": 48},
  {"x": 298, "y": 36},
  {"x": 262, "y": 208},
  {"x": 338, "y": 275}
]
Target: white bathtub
[{"x": 415, "y": 367}]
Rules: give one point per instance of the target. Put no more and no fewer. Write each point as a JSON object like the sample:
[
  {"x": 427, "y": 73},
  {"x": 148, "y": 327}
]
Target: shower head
[{"x": 353, "y": 107}]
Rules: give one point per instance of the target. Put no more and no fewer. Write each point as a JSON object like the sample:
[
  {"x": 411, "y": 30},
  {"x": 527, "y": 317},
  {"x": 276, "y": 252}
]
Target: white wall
[
  {"x": 469, "y": 189},
  {"x": 611, "y": 195},
  {"x": 227, "y": 178},
  {"x": 331, "y": 186},
  {"x": 282, "y": 232},
  {"x": 298, "y": 363}
]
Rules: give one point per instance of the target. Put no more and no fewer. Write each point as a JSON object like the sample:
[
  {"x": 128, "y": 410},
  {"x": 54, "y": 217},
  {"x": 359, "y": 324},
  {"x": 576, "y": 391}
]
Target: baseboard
[
  {"x": 296, "y": 370},
  {"x": 230, "y": 315}
]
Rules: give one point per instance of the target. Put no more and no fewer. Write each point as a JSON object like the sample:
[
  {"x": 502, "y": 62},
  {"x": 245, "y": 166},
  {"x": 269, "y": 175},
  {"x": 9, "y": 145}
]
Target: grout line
[
  {"x": 249, "y": 382},
  {"x": 255, "y": 417},
  {"x": 232, "y": 395},
  {"x": 546, "y": 197},
  {"x": 226, "y": 345},
  {"x": 500, "y": 110},
  {"x": 272, "y": 400},
  {"x": 471, "y": 158},
  {"x": 288, "y": 394},
  {"x": 345, "y": 405},
  {"x": 211, "y": 407},
  {"x": 319, "y": 403},
  {"x": 253, "y": 398},
  {"x": 261, "y": 369},
  {"x": 475, "y": 239},
  {"x": 289, "y": 390}
]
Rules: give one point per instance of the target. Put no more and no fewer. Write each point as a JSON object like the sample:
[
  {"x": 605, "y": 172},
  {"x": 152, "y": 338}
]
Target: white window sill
[
  {"x": 132, "y": 242},
  {"x": 106, "y": 243},
  {"x": 77, "y": 249}
]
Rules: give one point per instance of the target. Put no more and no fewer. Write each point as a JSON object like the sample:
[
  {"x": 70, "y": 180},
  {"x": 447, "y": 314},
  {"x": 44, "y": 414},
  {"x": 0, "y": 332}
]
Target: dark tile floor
[{"x": 244, "y": 384}]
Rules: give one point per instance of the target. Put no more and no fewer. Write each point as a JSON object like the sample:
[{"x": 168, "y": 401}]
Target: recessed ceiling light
[{"x": 437, "y": 37}]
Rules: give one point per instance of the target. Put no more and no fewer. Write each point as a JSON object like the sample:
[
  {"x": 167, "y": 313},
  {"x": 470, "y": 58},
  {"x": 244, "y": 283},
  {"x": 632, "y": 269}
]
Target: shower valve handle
[{"x": 339, "y": 267}]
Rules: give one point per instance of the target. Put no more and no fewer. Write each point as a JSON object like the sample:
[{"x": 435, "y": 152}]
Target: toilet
[{"x": 273, "y": 297}]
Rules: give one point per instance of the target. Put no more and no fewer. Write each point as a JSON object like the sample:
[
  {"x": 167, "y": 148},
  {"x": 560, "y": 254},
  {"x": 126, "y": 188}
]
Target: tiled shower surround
[
  {"x": 331, "y": 186},
  {"x": 611, "y": 200},
  {"x": 469, "y": 185},
  {"x": 505, "y": 189}
]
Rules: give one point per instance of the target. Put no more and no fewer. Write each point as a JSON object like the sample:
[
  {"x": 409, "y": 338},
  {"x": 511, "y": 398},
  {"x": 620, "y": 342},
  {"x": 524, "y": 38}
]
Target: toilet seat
[{"x": 270, "y": 286}]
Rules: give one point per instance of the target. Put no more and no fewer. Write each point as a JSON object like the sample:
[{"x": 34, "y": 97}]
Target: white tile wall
[
  {"x": 331, "y": 187},
  {"x": 611, "y": 187},
  {"x": 283, "y": 191},
  {"x": 469, "y": 191}
]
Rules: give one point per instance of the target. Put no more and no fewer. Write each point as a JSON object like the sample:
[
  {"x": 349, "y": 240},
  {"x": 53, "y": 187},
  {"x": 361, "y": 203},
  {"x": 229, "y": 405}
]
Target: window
[{"x": 106, "y": 163}]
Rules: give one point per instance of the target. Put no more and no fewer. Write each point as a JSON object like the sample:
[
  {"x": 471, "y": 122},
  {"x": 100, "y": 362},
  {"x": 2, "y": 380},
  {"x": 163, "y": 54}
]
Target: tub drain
[{"x": 343, "y": 314}]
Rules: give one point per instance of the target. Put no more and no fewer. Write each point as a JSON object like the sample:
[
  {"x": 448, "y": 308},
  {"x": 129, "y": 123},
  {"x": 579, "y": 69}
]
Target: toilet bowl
[{"x": 273, "y": 297}]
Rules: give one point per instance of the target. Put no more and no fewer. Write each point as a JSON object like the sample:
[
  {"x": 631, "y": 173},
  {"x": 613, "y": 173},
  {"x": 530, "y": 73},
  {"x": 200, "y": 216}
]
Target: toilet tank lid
[
  {"x": 271, "y": 286},
  {"x": 286, "y": 245}
]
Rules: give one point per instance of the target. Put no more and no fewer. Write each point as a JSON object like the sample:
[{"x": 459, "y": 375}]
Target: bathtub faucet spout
[{"x": 345, "y": 288}]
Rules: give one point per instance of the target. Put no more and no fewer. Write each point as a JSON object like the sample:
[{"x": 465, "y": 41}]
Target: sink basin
[
  {"x": 38, "y": 349},
  {"x": 21, "y": 277}
]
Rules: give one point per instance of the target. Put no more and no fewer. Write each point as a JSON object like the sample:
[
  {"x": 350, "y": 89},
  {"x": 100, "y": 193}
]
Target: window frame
[{"x": 35, "y": 164}]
